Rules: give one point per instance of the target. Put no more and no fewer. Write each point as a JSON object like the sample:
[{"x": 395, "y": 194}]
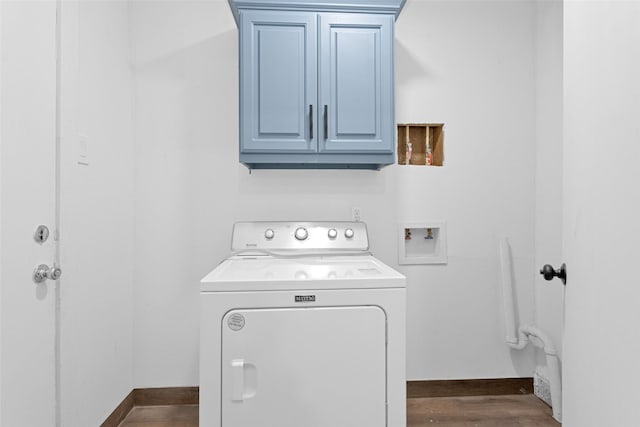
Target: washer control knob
[
  {"x": 333, "y": 233},
  {"x": 348, "y": 233},
  {"x": 269, "y": 234},
  {"x": 301, "y": 233}
]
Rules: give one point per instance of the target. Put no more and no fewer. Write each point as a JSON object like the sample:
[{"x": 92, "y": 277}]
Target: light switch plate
[{"x": 83, "y": 150}]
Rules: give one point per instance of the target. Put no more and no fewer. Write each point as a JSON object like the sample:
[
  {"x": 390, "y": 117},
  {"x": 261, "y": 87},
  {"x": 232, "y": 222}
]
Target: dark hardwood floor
[
  {"x": 474, "y": 411},
  {"x": 522, "y": 410},
  {"x": 162, "y": 416}
]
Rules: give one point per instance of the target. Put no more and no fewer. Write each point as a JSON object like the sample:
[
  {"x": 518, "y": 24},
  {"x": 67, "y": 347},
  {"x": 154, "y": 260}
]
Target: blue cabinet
[
  {"x": 316, "y": 89},
  {"x": 277, "y": 82},
  {"x": 356, "y": 83}
]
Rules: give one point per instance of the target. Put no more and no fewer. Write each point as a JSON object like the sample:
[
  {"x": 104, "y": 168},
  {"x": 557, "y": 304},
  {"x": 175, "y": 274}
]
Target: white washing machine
[{"x": 302, "y": 327}]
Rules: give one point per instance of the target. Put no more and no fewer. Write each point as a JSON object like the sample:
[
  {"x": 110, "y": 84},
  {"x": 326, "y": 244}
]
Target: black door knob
[{"x": 549, "y": 273}]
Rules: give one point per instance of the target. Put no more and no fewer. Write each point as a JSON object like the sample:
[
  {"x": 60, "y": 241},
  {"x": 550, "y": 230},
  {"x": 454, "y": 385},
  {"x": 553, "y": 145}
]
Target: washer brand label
[
  {"x": 236, "y": 321},
  {"x": 305, "y": 298}
]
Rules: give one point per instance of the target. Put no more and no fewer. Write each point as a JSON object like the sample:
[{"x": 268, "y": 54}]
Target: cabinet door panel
[
  {"x": 278, "y": 82},
  {"x": 356, "y": 83},
  {"x": 280, "y": 87}
]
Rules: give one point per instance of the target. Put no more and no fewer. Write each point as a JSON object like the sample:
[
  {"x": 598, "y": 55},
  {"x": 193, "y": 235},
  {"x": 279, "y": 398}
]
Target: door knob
[
  {"x": 549, "y": 273},
  {"x": 43, "y": 272}
]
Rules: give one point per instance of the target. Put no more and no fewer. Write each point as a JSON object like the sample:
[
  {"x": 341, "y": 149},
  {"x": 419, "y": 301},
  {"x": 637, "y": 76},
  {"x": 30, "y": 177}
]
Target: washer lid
[{"x": 267, "y": 273}]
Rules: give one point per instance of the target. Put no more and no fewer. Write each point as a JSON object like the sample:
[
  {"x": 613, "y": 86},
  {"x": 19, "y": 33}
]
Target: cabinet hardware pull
[
  {"x": 311, "y": 122},
  {"x": 326, "y": 121}
]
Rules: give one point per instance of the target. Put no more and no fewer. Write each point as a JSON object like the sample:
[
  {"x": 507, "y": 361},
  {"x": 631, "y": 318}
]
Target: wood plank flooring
[
  {"x": 475, "y": 411},
  {"x": 523, "y": 410},
  {"x": 162, "y": 416}
]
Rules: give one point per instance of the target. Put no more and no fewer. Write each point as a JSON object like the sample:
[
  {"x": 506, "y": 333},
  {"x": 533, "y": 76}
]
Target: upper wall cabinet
[
  {"x": 277, "y": 82},
  {"x": 316, "y": 87}
]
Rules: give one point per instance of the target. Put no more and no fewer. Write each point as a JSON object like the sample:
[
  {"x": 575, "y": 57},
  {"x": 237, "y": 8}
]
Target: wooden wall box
[{"x": 425, "y": 138}]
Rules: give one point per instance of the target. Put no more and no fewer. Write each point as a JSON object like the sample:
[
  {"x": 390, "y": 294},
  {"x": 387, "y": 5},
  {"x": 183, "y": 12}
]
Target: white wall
[
  {"x": 1, "y": 210},
  {"x": 467, "y": 64},
  {"x": 549, "y": 296},
  {"x": 601, "y": 228},
  {"x": 96, "y": 212},
  {"x": 470, "y": 66}
]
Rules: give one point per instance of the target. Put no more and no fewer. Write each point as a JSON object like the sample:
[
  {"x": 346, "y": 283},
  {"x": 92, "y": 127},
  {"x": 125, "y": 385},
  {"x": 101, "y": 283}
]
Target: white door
[
  {"x": 312, "y": 367},
  {"x": 28, "y": 199},
  {"x": 602, "y": 213}
]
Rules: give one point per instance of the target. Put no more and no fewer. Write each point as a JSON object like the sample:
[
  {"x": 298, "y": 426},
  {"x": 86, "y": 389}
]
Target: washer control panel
[{"x": 305, "y": 236}]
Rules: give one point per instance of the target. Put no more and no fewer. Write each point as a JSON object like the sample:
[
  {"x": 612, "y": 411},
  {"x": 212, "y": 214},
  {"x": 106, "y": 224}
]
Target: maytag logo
[{"x": 305, "y": 298}]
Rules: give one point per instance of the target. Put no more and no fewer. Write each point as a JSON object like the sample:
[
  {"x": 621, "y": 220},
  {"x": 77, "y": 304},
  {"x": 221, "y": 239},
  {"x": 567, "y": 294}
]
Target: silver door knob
[{"x": 44, "y": 272}]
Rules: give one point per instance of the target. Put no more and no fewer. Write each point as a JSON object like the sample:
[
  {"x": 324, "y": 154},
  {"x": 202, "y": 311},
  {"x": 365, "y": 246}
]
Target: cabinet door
[
  {"x": 311, "y": 367},
  {"x": 278, "y": 57},
  {"x": 356, "y": 83}
]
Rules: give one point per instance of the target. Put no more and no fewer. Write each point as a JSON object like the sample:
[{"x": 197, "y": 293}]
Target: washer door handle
[
  {"x": 243, "y": 380},
  {"x": 237, "y": 380}
]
